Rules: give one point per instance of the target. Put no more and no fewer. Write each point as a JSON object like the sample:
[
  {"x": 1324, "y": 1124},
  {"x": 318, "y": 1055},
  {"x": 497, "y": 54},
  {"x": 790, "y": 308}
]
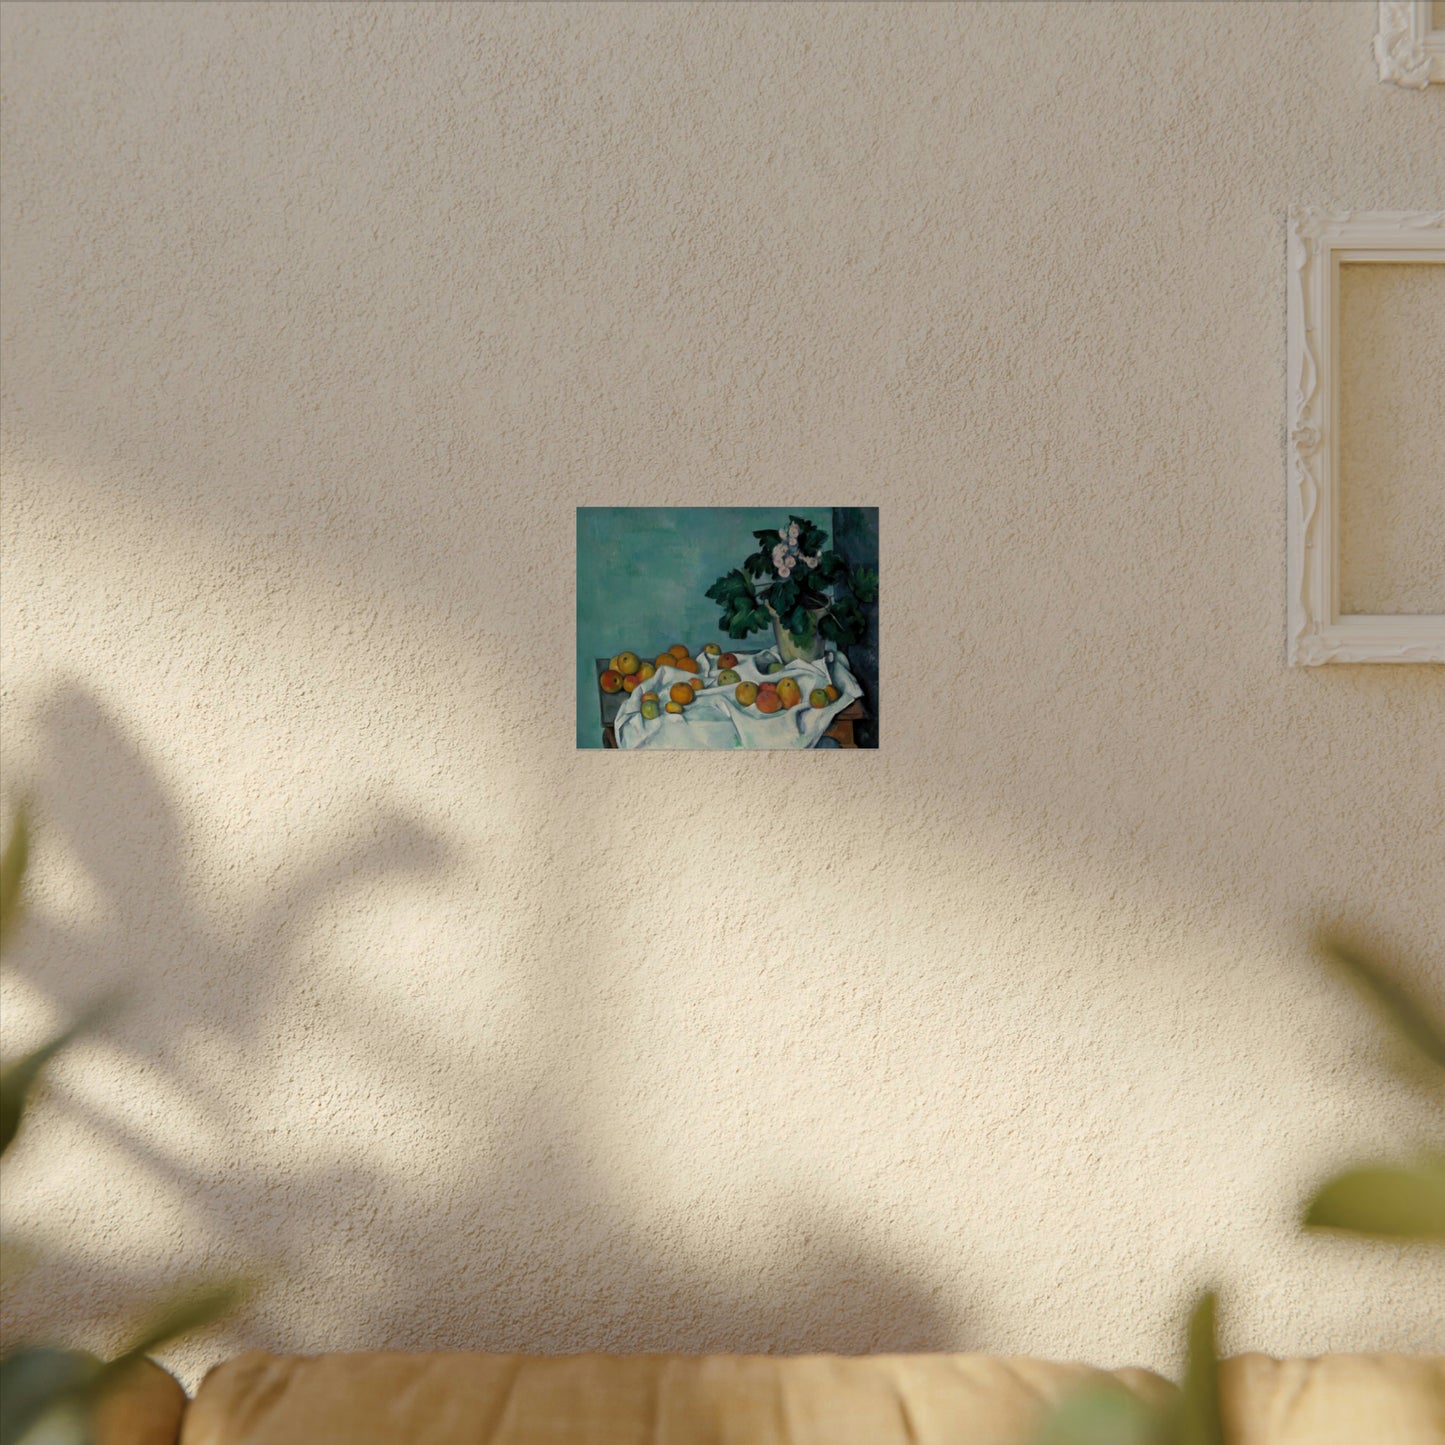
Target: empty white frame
[
  {"x": 1320, "y": 242},
  {"x": 1410, "y": 43}
]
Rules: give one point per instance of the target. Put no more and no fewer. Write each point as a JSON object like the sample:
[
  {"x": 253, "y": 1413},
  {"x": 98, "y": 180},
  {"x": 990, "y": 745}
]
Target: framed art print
[{"x": 727, "y": 628}]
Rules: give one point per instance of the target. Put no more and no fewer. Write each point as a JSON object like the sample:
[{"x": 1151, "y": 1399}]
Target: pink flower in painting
[
  {"x": 813, "y": 561},
  {"x": 781, "y": 561},
  {"x": 793, "y": 535}
]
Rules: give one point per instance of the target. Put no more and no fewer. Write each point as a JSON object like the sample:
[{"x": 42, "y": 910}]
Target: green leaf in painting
[
  {"x": 800, "y": 623},
  {"x": 864, "y": 584},
  {"x": 1384, "y": 1201},
  {"x": 830, "y": 568},
  {"x": 810, "y": 536},
  {"x": 758, "y": 565},
  {"x": 783, "y": 597},
  {"x": 850, "y": 619}
]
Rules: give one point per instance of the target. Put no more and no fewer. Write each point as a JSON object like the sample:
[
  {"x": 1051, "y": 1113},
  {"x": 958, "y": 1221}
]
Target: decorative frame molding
[
  {"x": 1319, "y": 242},
  {"x": 1409, "y": 47}
]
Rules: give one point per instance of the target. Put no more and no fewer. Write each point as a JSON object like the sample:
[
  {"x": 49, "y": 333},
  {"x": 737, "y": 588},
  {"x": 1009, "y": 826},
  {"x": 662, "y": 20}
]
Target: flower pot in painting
[{"x": 793, "y": 649}]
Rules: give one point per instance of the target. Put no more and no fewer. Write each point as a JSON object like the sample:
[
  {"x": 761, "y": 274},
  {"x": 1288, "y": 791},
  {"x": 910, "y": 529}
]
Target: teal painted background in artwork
[{"x": 641, "y": 576}]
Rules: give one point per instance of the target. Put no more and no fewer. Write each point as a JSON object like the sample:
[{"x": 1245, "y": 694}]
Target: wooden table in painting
[{"x": 841, "y": 731}]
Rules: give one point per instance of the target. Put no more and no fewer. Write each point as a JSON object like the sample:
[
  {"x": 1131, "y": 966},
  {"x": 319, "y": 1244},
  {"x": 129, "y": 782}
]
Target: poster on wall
[{"x": 716, "y": 628}]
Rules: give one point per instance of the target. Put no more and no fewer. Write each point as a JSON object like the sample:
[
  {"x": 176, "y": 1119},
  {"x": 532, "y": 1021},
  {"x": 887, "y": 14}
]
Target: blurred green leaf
[
  {"x": 1102, "y": 1413},
  {"x": 15, "y": 1260},
  {"x": 1399, "y": 1009},
  {"x": 35, "y": 1383},
  {"x": 19, "y": 1078},
  {"x": 1198, "y": 1419},
  {"x": 12, "y": 872},
  {"x": 1390, "y": 1201}
]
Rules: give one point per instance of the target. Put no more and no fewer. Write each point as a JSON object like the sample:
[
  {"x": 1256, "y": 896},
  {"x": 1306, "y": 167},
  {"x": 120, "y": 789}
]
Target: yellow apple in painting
[
  {"x": 727, "y": 677},
  {"x": 626, "y": 662},
  {"x": 747, "y": 693},
  {"x": 789, "y": 693}
]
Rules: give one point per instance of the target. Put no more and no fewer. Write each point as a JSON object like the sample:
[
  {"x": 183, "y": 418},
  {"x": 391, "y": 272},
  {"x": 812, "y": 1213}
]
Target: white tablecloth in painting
[{"x": 717, "y": 720}]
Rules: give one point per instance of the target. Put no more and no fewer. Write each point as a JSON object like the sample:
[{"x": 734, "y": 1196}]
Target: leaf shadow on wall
[{"x": 533, "y": 1249}]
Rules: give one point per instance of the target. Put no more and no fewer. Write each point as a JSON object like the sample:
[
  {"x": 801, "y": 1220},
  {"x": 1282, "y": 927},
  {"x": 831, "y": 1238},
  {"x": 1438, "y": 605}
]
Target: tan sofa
[{"x": 474, "y": 1399}]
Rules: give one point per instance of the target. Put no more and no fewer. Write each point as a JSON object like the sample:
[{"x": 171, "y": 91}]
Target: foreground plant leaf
[
  {"x": 1390, "y": 1201},
  {"x": 19, "y": 1078},
  {"x": 1197, "y": 1418},
  {"x": 1102, "y": 1414},
  {"x": 46, "y": 1385},
  {"x": 1407, "y": 1017},
  {"x": 12, "y": 873}
]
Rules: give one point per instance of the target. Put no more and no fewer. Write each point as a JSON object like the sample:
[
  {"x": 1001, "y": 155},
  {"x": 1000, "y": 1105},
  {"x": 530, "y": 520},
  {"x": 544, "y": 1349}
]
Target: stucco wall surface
[{"x": 319, "y": 322}]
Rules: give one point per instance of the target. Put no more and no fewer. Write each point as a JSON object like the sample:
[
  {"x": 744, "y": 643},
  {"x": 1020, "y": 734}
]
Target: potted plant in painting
[{"x": 808, "y": 596}]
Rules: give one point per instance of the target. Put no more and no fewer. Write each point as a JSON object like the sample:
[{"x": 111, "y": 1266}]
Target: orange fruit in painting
[
  {"x": 681, "y": 693},
  {"x": 678, "y": 650},
  {"x": 664, "y": 659},
  {"x": 747, "y": 693},
  {"x": 789, "y": 693},
  {"x": 686, "y": 664},
  {"x": 833, "y": 693},
  {"x": 611, "y": 681}
]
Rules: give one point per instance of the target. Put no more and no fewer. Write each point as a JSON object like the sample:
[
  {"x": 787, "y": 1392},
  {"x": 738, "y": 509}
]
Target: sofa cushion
[
  {"x": 1334, "y": 1400},
  {"x": 143, "y": 1407},
  {"x": 475, "y": 1399}
]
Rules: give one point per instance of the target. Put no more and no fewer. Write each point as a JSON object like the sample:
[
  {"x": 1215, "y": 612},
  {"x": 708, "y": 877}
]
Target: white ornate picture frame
[
  {"x": 1410, "y": 45},
  {"x": 1320, "y": 241}
]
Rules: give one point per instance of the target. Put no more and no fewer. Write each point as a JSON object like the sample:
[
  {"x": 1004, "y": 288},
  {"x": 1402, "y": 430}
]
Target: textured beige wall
[
  {"x": 1392, "y": 438},
  {"x": 320, "y": 320}
]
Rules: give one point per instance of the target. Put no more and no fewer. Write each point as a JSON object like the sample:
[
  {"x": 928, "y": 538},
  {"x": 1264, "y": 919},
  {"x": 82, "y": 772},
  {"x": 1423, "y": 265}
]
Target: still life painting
[{"x": 718, "y": 628}]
